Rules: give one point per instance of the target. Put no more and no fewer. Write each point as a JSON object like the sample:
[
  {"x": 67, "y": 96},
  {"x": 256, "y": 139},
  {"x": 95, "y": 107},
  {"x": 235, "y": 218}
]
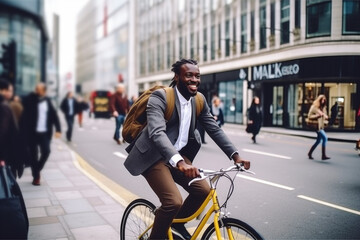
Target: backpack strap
[
  {"x": 199, "y": 104},
  {"x": 170, "y": 102}
]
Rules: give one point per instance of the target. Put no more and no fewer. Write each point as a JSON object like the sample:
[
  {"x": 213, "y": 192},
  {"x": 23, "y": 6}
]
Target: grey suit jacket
[{"x": 156, "y": 141}]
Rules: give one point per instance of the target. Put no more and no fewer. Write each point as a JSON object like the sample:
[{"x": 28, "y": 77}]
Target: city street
[{"x": 290, "y": 197}]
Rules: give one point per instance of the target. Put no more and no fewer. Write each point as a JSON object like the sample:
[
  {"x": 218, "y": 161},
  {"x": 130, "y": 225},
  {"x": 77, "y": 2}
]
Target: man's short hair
[{"x": 4, "y": 84}]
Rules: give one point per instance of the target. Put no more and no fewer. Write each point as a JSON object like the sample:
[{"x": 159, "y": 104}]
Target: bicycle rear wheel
[
  {"x": 234, "y": 227},
  {"x": 137, "y": 219}
]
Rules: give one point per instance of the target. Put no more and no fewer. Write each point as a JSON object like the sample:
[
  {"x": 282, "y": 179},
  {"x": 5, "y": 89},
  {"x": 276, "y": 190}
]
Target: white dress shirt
[
  {"x": 185, "y": 120},
  {"x": 42, "y": 117}
]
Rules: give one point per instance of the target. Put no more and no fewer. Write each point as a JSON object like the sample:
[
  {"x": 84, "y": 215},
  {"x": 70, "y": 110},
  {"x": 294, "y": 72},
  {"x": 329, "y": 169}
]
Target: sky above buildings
[{"x": 67, "y": 11}]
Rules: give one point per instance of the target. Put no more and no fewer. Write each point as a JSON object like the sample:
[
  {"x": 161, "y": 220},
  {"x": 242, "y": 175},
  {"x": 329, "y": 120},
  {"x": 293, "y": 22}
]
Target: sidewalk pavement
[{"x": 69, "y": 205}]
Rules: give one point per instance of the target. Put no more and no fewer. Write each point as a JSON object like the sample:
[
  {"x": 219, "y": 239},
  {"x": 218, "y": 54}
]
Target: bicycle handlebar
[{"x": 204, "y": 173}]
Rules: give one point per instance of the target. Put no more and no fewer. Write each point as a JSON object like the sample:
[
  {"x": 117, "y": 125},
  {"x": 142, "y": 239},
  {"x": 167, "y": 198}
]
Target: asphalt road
[{"x": 290, "y": 197}]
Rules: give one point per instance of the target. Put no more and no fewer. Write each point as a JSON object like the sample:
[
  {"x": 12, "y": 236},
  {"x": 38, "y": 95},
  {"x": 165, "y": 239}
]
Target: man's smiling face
[{"x": 189, "y": 80}]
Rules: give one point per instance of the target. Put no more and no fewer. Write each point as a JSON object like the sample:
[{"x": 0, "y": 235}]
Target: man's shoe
[
  {"x": 36, "y": 182},
  {"x": 180, "y": 228},
  {"x": 117, "y": 141}
]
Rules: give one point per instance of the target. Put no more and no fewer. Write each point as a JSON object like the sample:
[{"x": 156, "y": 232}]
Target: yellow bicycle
[{"x": 139, "y": 215}]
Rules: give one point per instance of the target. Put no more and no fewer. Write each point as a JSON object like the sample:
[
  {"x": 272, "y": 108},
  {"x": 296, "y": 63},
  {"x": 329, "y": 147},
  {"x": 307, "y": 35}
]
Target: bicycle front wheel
[
  {"x": 137, "y": 219},
  {"x": 231, "y": 229}
]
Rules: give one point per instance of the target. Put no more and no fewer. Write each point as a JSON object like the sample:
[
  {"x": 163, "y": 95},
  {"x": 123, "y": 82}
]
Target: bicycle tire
[
  {"x": 137, "y": 217},
  {"x": 240, "y": 230}
]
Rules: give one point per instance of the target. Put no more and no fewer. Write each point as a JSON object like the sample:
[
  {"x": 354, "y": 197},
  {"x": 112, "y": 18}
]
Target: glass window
[
  {"x": 351, "y": 17},
  {"x": 168, "y": 52},
  {"x": 219, "y": 40},
  {"x": 227, "y": 38},
  {"x": 205, "y": 45},
  {"x": 181, "y": 47},
  {"x": 192, "y": 42},
  {"x": 252, "y": 25},
  {"x": 285, "y": 21},
  {"x": 294, "y": 102},
  {"x": 262, "y": 24},
  {"x": 243, "y": 33},
  {"x": 213, "y": 50},
  {"x": 272, "y": 18},
  {"x": 341, "y": 104},
  {"x": 318, "y": 18},
  {"x": 231, "y": 95},
  {"x": 277, "y": 106},
  {"x": 234, "y": 36},
  {"x": 297, "y": 13}
]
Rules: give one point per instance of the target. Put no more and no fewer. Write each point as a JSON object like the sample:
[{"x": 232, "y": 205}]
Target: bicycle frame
[{"x": 215, "y": 208}]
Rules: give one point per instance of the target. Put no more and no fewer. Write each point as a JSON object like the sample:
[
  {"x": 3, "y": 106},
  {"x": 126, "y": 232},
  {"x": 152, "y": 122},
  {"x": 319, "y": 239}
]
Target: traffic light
[{"x": 8, "y": 61}]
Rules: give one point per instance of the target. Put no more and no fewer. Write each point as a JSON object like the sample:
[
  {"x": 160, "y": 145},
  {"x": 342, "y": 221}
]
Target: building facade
[
  {"x": 23, "y": 23},
  {"x": 103, "y": 47},
  {"x": 287, "y": 52}
]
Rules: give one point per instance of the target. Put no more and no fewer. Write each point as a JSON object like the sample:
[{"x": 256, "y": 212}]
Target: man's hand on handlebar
[
  {"x": 237, "y": 159},
  {"x": 189, "y": 170}
]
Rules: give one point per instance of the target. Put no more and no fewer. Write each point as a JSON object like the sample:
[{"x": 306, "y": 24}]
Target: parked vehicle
[{"x": 100, "y": 104}]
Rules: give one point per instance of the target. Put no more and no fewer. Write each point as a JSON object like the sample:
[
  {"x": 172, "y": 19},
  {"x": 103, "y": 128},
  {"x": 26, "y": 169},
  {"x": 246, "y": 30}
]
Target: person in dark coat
[
  {"x": 255, "y": 117},
  {"x": 36, "y": 125},
  {"x": 14, "y": 222},
  {"x": 69, "y": 106},
  {"x": 11, "y": 148}
]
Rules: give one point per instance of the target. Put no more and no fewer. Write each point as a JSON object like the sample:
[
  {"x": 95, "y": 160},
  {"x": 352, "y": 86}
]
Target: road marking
[
  {"x": 329, "y": 204},
  {"x": 119, "y": 193},
  {"x": 120, "y": 155},
  {"x": 266, "y": 182},
  {"x": 265, "y": 153}
]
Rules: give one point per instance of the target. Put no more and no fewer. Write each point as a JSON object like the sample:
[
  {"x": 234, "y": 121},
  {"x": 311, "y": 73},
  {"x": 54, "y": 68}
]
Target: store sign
[{"x": 274, "y": 70}]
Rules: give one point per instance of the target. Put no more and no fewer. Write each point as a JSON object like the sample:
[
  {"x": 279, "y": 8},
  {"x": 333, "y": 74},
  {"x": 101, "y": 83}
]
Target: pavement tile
[
  {"x": 37, "y": 202},
  {"x": 81, "y": 220},
  {"x": 47, "y": 231},
  {"x": 42, "y": 220},
  {"x": 96, "y": 233},
  {"x": 76, "y": 205},
  {"x": 55, "y": 210},
  {"x": 95, "y": 201},
  {"x": 59, "y": 183},
  {"x": 36, "y": 212},
  {"x": 68, "y": 195}
]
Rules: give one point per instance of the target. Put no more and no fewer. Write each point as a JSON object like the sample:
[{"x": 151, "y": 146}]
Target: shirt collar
[{"x": 182, "y": 100}]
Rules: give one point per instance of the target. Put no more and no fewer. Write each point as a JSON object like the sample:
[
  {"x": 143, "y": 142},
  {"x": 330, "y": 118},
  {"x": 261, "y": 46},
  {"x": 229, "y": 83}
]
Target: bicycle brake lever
[{"x": 201, "y": 177}]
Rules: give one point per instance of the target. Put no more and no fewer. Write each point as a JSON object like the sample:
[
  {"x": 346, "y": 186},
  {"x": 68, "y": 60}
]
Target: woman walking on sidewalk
[
  {"x": 318, "y": 118},
  {"x": 255, "y": 117}
]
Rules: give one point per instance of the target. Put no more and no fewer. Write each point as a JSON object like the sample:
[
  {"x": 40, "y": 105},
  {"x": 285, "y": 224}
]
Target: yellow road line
[{"x": 120, "y": 194}]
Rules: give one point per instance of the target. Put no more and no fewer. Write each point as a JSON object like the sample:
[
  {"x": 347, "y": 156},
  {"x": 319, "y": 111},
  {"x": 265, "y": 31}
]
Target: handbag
[
  {"x": 249, "y": 128},
  {"x": 14, "y": 223}
]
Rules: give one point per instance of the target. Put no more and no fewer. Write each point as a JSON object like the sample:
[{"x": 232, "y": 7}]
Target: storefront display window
[
  {"x": 277, "y": 106},
  {"x": 341, "y": 103},
  {"x": 231, "y": 95}
]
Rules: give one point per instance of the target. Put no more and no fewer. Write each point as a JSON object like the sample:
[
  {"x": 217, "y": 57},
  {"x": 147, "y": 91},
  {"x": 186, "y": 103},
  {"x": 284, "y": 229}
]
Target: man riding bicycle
[{"x": 164, "y": 150}]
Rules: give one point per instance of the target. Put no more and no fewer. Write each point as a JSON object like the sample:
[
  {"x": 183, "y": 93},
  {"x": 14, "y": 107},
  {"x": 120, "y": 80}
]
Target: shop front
[
  {"x": 288, "y": 89},
  {"x": 229, "y": 87}
]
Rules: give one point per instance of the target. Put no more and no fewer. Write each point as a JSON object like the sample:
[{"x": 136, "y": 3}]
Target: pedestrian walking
[
  {"x": 36, "y": 126},
  {"x": 217, "y": 112},
  {"x": 119, "y": 107},
  {"x": 14, "y": 222},
  {"x": 69, "y": 106},
  {"x": 254, "y": 118},
  {"x": 82, "y": 106},
  {"x": 318, "y": 118},
  {"x": 12, "y": 149},
  {"x": 164, "y": 150}
]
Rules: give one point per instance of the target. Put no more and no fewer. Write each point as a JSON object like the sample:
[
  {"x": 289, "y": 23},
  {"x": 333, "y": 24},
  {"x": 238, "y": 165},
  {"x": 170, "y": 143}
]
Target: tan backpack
[{"x": 136, "y": 118}]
